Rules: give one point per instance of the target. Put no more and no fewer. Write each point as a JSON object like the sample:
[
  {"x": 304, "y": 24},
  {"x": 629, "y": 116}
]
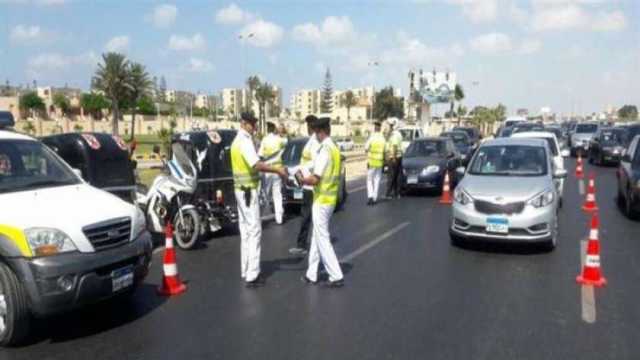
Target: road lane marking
[
  {"x": 373, "y": 243},
  {"x": 587, "y": 292},
  {"x": 581, "y": 187}
]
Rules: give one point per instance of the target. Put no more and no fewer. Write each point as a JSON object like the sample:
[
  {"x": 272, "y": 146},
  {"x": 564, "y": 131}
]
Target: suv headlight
[
  {"x": 543, "y": 199},
  {"x": 461, "y": 197},
  {"x": 430, "y": 169},
  {"x": 48, "y": 241},
  {"x": 139, "y": 224}
]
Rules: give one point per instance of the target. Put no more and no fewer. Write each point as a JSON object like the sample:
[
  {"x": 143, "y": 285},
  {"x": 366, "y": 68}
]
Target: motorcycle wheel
[{"x": 186, "y": 234}]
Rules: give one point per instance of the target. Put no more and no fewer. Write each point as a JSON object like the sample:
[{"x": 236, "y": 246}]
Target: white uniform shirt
[
  {"x": 247, "y": 147},
  {"x": 323, "y": 158},
  {"x": 312, "y": 146}
]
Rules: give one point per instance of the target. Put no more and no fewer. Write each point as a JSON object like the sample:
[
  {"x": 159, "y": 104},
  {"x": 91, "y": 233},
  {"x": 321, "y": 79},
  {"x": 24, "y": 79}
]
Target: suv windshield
[
  {"x": 510, "y": 160},
  {"x": 425, "y": 148},
  {"x": 586, "y": 128},
  {"x": 29, "y": 165},
  {"x": 458, "y": 138}
]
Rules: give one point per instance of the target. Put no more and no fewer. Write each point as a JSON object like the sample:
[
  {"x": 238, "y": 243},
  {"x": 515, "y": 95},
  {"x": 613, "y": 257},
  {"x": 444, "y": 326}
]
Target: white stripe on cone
[
  {"x": 593, "y": 234},
  {"x": 168, "y": 243},
  {"x": 592, "y": 261},
  {"x": 170, "y": 269}
]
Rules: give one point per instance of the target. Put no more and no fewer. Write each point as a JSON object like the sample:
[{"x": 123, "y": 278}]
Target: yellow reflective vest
[
  {"x": 271, "y": 144},
  {"x": 326, "y": 191},
  {"x": 244, "y": 176},
  {"x": 377, "y": 145}
]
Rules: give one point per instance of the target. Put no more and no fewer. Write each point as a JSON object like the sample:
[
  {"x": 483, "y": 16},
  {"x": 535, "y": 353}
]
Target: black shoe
[
  {"x": 300, "y": 251},
  {"x": 369, "y": 202},
  {"x": 257, "y": 282},
  {"x": 334, "y": 284},
  {"x": 307, "y": 281}
]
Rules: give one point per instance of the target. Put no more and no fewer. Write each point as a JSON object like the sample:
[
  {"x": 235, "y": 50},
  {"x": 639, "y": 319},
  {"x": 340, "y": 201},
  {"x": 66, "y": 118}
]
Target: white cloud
[
  {"x": 196, "y": 65},
  {"x": 24, "y": 33},
  {"x": 117, "y": 44},
  {"x": 186, "y": 43},
  {"x": 530, "y": 46},
  {"x": 51, "y": 2},
  {"x": 163, "y": 16},
  {"x": 334, "y": 31},
  {"x": 233, "y": 14},
  {"x": 43, "y": 64},
  {"x": 478, "y": 11},
  {"x": 411, "y": 51},
  {"x": 262, "y": 33},
  {"x": 613, "y": 21},
  {"x": 561, "y": 17},
  {"x": 491, "y": 43}
]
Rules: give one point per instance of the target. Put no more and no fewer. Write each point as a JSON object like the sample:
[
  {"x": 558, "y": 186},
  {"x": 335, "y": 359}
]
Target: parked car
[
  {"x": 409, "y": 133},
  {"x": 629, "y": 179},
  {"x": 292, "y": 196},
  {"x": 462, "y": 143},
  {"x": 426, "y": 162},
  {"x": 102, "y": 159},
  {"x": 473, "y": 133},
  {"x": 607, "y": 146},
  {"x": 557, "y": 152},
  {"x": 508, "y": 194},
  {"x": 345, "y": 143},
  {"x": 63, "y": 243},
  {"x": 579, "y": 139}
]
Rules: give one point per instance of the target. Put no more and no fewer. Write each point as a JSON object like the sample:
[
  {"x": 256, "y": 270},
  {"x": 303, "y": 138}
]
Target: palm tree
[
  {"x": 111, "y": 78},
  {"x": 349, "y": 100},
  {"x": 264, "y": 95},
  {"x": 139, "y": 87},
  {"x": 458, "y": 96}
]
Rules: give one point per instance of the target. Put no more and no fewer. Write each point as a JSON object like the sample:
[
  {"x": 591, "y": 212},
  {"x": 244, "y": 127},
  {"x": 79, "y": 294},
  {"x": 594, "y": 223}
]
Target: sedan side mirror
[
  {"x": 460, "y": 171},
  {"x": 560, "y": 174},
  {"x": 565, "y": 153}
]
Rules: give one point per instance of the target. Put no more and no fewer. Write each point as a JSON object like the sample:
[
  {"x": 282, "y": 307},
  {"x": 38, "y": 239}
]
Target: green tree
[
  {"x": 31, "y": 102},
  {"x": 77, "y": 128},
  {"x": 61, "y": 102},
  {"x": 628, "y": 113},
  {"x": 29, "y": 128},
  {"x": 348, "y": 100},
  {"x": 264, "y": 95},
  {"x": 458, "y": 96},
  {"x": 139, "y": 87},
  {"x": 146, "y": 106},
  {"x": 94, "y": 103},
  {"x": 326, "y": 100},
  {"x": 387, "y": 105},
  {"x": 112, "y": 78}
]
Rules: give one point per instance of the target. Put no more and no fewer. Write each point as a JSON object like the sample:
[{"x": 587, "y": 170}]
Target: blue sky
[{"x": 570, "y": 55}]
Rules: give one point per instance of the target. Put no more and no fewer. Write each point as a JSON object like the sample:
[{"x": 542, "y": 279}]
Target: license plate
[
  {"x": 498, "y": 225},
  {"x": 297, "y": 194},
  {"x": 413, "y": 179},
  {"x": 122, "y": 278}
]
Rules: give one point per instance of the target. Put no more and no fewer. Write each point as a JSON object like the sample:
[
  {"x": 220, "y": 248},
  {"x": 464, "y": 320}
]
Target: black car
[
  {"x": 426, "y": 162},
  {"x": 462, "y": 143},
  {"x": 102, "y": 159},
  {"x": 607, "y": 145},
  {"x": 473, "y": 133},
  {"x": 292, "y": 196},
  {"x": 632, "y": 131},
  {"x": 629, "y": 179}
]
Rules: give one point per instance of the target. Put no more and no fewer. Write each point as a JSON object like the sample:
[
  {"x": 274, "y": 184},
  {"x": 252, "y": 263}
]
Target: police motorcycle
[{"x": 170, "y": 199}]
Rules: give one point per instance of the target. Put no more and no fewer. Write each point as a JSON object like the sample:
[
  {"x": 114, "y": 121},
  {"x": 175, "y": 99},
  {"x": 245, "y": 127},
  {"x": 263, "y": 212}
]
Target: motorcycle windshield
[{"x": 182, "y": 161}]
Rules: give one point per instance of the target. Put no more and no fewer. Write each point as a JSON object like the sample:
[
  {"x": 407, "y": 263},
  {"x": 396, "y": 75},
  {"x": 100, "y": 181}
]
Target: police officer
[
  {"x": 246, "y": 164},
  {"x": 394, "y": 147},
  {"x": 325, "y": 179},
  {"x": 375, "y": 148},
  {"x": 308, "y": 154},
  {"x": 271, "y": 150}
]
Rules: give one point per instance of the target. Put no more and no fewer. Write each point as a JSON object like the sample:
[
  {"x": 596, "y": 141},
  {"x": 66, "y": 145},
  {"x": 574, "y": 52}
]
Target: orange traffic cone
[
  {"x": 579, "y": 170},
  {"x": 446, "y": 190},
  {"x": 591, "y": 270},
  {"x": 171, "y": 284},
  {"x": 590, "y": 201}
]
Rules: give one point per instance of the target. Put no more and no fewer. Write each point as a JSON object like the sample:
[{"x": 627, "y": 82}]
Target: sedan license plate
[
  {"x": 498, "y": 225},
  {"x": 122, "y": 278},
  {"x": 412, "y": 179},
  {"x": 297, "y": 194}
]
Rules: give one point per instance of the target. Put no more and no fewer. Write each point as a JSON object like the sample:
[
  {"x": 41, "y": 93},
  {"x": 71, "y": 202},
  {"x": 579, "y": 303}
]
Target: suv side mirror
[{"x": 560, "y": 174}]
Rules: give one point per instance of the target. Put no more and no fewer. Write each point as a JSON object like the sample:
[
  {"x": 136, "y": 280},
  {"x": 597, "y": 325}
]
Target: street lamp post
[{"x": 373, "y": 97}]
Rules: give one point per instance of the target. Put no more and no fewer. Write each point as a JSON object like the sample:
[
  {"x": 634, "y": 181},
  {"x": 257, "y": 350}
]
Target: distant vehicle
[
  {"x": 462, "y": 142},
  {"x": 474, "y": 134},
  {"x": 557, "y": 131},
  {"x": 629, "y": 179},
  {"x": 508, "y": 194},
  {"x": 426, "y": 162},
  {"x": 345, "y": 143},
  {"x": 505, "y": 132},
  {"x": 581, "y": 137},
  {"x": 513, "y": 120},
  {"x": 526, "y": 127},
  {"x": 607, "y": 146},
  {"x": 409, "y": 133},
  {"x": 557, "y": 153}
]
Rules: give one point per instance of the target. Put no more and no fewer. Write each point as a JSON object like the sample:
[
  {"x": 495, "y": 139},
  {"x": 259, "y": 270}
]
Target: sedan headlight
[
  {"x": 543, "y": 199},
  {"x": 461, "y": 197},
  {"x": 48, "y": 241},
  {"x": 430, "y": 169},
  {"x": 139, "y": 224}
]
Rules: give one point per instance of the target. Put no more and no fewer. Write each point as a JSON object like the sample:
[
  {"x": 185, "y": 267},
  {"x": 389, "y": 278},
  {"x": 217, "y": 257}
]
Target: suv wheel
[{"x": 14, "y": 311}]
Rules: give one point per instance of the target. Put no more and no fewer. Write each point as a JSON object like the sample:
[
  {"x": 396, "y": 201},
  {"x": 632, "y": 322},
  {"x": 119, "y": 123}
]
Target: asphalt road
[{"x": 409, "y": 295}]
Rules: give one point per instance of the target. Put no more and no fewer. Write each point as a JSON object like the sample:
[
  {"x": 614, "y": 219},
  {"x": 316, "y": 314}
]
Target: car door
[{"x": 625, "y": 171}]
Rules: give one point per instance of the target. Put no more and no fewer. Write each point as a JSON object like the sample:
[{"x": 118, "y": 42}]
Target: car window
[
  {"x": 510, "y": 160},
  {"x": 426, "y": 148},
  {"x": 586, "y": 128},
  {"x": 293, "y": 152},
  {"x": 612, "y": 137},
  {"x": 406, "y": 134}
]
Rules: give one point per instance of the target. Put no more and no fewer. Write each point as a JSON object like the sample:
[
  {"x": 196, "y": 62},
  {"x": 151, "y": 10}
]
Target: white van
[
  {"x": 409, "y": 133},
  {"x": 63, "y": 243}
]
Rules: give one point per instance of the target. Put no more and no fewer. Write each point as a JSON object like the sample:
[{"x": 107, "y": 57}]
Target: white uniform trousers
[
  {"x": 272, "y": 185},
  {"x": 374, "y": 175},
  {"x": 321, "y": 248},
  {"x": 250, "y": 235}
]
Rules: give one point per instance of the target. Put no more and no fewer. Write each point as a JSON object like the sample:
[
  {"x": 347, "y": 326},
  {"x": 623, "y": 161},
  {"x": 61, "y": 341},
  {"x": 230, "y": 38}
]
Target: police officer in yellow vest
[
  {"x": 271, "y": 150},
  {"x": 246, "y": 166},
  {"x": 325, "y": 179},
  {"x": 394, "y": 152},
  {"x": 375, "y": 148}
]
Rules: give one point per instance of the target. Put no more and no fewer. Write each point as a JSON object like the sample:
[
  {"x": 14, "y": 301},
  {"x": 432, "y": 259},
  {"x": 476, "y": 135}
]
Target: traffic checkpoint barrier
[
  {"x": 591, "y": 274},
  {"x": 446, "y": 190},
  {"x": 171, "y": 284},
  {"x": 579, "y": 168},
  {"x": 590, "y": 201}
]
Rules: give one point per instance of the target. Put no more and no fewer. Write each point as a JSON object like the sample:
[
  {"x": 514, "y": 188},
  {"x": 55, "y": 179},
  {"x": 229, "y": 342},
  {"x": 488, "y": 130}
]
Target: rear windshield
[
  {"x": 586, "y": 128},
  {"x": 612, "y": 137},
  {"x": 425, "y": 148},
  {"x": 510, "y": 160},
  {"x": 293, "y": 152}
]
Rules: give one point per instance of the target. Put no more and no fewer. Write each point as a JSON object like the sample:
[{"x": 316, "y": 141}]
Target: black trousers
[
  {"x": 392, "y": 180},
  {"x": 305, "y": 214}
]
